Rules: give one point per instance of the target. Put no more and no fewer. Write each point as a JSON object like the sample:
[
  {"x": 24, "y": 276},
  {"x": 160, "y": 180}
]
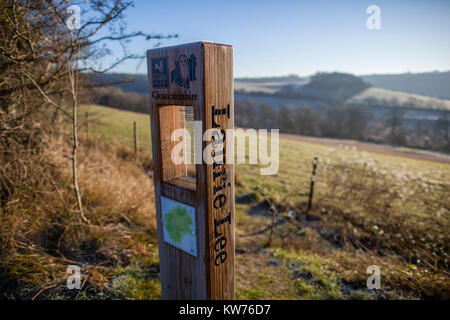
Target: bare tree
[
  {"x": 44, "y": 63},
  {"x": 395, "y": 124},
  {"x": 442, "y": 129}
]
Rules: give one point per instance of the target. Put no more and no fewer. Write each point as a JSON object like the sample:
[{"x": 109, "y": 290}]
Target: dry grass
[
  {"x": 41, "y": 232},
  {"x": 368, "y": 209},
  {"x": 369, "y": 214}
]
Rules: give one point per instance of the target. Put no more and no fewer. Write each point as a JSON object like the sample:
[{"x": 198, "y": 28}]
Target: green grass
[
  {"x": 111, "y": 124},
  {"x": 369, "y": 208},
  {"x": 130, "y": 283}
]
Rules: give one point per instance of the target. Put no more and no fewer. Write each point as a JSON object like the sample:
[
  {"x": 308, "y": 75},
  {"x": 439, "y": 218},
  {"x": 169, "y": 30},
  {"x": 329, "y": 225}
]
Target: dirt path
[{"x": 370, "y": 147}]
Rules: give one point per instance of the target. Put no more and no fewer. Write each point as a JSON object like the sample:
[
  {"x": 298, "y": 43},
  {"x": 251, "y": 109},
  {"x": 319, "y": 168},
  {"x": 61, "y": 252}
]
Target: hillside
[
  {"x": 128, "y": 82},
  {"x": 324, "y": 253},
  {"x": 379, "y": 96},
  {"x": 420, "y": 91},
  {"x": 332, "y": 88},
  {"x": 270, "y": 85},
  {"x": 318, "y": 254},
  {"x": 432, "y": 84}
]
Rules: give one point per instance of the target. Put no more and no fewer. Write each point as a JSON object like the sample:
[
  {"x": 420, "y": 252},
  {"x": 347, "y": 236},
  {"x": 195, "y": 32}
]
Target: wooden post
[
  {"x": 311, "y": 188},
  {"x": 136, "y": 143},
  {"x": 87, "y": 126},
  {"x": 194, "y": 203}
]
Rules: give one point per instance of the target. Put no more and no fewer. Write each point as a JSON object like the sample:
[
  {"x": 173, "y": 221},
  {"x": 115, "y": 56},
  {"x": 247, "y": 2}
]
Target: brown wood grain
[
  {"x": 219, "y": 94},
  {"x": 169, "y": 121},
  {"x": 184, "y": 276}
]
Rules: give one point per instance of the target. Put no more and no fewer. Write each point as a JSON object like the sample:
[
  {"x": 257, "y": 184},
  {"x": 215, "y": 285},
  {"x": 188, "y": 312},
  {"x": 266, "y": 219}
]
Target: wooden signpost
[{"x": 191, "y": 88}]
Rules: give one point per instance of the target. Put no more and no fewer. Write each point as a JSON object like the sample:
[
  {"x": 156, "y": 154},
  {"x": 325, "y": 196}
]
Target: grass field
[
  {"x": 116, "y": 125},
  {"x": 368, "y": 209},
  {"x": 371, "y": 206}
]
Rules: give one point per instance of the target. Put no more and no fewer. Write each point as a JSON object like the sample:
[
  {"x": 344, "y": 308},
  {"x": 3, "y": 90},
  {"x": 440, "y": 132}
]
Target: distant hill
[
  {"x": 432, "y": 84},
  {"x": 289, "y": 78},
  {"x": 334, "y": 88},
  {"x": 267, "y": 85},
  {"x": 417, "y": 91},
  {"x": 139, "y": 83},
  {"x": 331, "y": 88},
  {"x": 131, "y": 82},
  {"x": 383, "y": 97}
]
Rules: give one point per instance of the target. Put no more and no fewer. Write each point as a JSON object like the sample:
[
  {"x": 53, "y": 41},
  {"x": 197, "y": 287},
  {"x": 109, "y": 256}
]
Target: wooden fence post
[
  {"x": 311, "y": 188},
  {"x": 136, "y": 142},
  {"x": 87, "y": 125},
  {"x": 191, "y": 88}
]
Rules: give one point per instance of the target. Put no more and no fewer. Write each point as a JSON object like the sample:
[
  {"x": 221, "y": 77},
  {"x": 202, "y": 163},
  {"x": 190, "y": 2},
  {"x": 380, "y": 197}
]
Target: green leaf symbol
[{"x": 178, "y": 222}]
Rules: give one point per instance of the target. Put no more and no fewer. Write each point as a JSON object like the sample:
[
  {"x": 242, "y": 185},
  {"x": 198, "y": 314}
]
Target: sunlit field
[
  {"x": 340, "y": 185},
  {"x": 368, "y": 209}
]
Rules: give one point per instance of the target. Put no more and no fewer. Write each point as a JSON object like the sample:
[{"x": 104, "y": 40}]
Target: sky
[{"x": 275, "y": 38}]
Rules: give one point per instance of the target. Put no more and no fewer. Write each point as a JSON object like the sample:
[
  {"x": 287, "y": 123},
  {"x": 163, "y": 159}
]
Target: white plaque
[{"x": 179, "y": 225}]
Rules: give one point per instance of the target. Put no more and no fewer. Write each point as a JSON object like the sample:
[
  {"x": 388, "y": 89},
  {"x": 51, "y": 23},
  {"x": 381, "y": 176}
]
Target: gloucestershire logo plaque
[{"x": 160, "y": 72}]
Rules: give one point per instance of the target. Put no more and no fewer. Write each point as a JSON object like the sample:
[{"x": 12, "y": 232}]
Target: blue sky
[{"x": 272, "y": 38}]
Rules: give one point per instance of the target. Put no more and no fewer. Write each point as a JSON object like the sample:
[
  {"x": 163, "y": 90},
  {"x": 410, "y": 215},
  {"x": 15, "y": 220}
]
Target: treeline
[
  {"x": 117, "y": 98},
  {"x": 128, "y": 82},
  {"x": 347, "y": 122},
  {"x": 355, "y": 122},
  {"x": 323, "y": 121}
]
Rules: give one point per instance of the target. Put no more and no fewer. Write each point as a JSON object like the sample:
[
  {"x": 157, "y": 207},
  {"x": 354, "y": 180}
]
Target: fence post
[
  {"x": 87, "y": 125},
  {"x": 136, "y": 143},
  {"x": 311, "y": 188}
]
